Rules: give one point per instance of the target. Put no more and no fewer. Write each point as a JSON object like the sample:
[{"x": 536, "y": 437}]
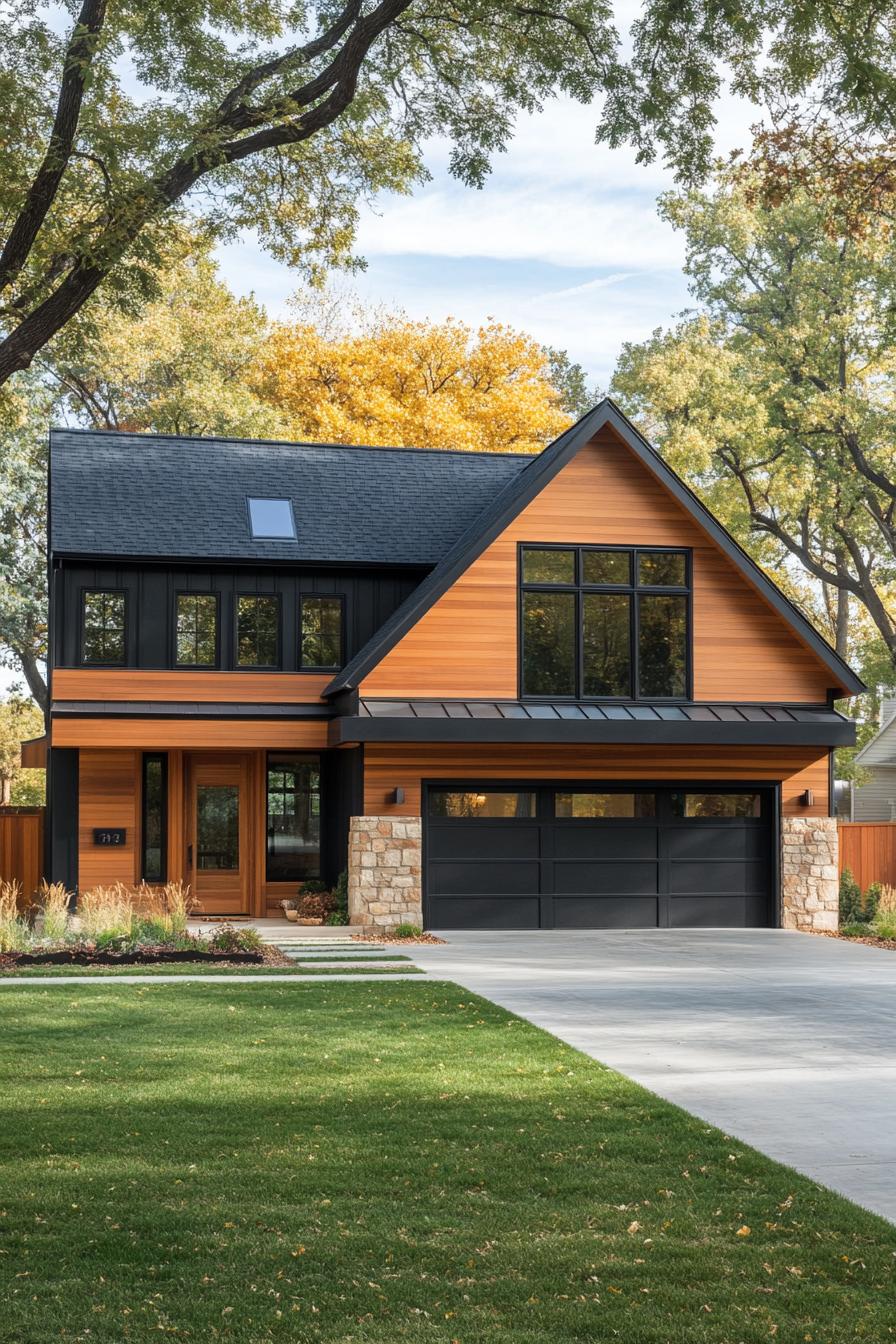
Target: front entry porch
[{"x": 242, "y": 828}]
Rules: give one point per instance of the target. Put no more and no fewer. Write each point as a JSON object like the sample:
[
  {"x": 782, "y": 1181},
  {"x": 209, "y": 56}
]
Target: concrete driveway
[{"x": 785, "y": 1040}]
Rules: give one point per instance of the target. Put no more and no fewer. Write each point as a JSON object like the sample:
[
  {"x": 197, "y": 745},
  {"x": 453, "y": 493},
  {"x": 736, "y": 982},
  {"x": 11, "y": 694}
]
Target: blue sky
[{"x": 563, "y": 241}]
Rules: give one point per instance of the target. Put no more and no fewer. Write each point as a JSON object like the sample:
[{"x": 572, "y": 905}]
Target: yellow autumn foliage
[{"x": 404, "y": 383}]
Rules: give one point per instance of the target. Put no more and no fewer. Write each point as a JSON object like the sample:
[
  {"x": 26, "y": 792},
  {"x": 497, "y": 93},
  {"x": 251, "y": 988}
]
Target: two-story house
[{"x": 503, "y": 691}]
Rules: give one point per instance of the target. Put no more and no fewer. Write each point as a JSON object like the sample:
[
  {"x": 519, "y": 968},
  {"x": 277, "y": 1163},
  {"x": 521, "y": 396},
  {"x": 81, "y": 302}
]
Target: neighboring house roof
[
  {"x": 170, "y": 496},
  {"x": 881, "y": 750},
  {"x": 521, "y": 489},
  {"x": 513, "y": 721}
]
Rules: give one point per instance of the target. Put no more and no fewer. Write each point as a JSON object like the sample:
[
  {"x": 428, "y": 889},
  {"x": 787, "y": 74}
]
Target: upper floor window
[
  {"x": 257, "y": 630},
  {"x": 103, "y": 629},
  {"x": 196, "y": 634},
  {"x": 603, "y": 623},
  {"x": 321, "y": 632},
  {"x": 271, "y": 520}
]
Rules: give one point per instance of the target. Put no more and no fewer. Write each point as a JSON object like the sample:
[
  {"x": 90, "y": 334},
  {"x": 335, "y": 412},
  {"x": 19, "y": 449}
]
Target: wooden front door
[{"x": 218, "y": 834}]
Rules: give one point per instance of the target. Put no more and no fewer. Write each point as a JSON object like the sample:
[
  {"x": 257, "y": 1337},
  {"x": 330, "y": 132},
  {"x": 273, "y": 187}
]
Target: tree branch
[{"x": 42, "y": 192}]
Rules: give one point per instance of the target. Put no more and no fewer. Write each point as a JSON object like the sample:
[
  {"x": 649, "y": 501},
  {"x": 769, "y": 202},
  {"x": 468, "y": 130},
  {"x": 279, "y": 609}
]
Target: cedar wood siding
[
  {"x": 390, "y": 766},
  {"x": 158, "y": 734},
  {"x": 465, "y": 645},
  {"x": 207, "y": 685},
  {"x": 107, "y": 793}
]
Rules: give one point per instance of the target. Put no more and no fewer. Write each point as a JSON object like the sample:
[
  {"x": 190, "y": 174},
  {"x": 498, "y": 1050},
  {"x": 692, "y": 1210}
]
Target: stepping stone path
[{"x": 352, "y": 956}]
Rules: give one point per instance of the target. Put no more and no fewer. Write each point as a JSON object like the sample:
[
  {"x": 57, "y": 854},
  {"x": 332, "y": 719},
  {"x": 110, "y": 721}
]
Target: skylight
[{"x": 270, "y": 519}]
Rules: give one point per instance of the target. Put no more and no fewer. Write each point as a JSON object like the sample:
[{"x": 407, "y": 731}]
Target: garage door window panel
[
  {"x": 601, "y": 623},
  {"x": 485, "y": 803},
  {"x": 716, "y": 806},
  {"x": 596, "y": 806}
]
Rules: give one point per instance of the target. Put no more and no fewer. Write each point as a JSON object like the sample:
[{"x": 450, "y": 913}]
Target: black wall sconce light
[
  {"x": 396, "y": 796},
  {"x": 807, "y": 798}
]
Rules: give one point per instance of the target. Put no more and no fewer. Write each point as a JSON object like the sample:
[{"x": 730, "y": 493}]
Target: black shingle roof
[{"x": 122, "y": 494}]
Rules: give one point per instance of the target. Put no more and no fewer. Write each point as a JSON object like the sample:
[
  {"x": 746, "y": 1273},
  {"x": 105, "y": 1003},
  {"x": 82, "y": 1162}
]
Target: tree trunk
[
  {"x": 5, "y": 790},
  {"x": 841, "y": 622},
  {"x": 33, "y": 676}
]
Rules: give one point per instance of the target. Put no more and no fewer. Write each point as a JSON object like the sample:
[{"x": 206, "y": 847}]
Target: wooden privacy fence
[
  {"x": 868, "y": 849},
  {"x": 22, "y": 847}
]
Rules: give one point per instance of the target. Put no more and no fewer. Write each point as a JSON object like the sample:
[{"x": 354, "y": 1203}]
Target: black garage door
[{"x": 598, "y": 857}]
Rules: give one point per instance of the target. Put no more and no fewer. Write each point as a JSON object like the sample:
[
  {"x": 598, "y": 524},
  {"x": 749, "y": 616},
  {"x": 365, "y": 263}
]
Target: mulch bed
[
  {"x": 10, "y": 960},
  {"x": 889, "y": 944},
  {"x": 391, "y": 938}
]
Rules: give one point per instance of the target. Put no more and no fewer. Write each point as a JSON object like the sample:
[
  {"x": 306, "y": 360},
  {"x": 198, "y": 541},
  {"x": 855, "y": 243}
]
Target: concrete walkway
[{"x": 785, "y": 1040}]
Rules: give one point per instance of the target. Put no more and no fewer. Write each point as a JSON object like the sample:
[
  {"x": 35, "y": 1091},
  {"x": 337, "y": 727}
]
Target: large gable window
[
  {"x": 605, "y": 623},
  {"x": 103, "y": 630}
]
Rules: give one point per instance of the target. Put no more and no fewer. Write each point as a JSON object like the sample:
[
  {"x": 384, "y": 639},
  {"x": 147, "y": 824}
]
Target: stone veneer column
[
  {"x": 810, "y": 879},
  {"x": 384, "y": 867}
]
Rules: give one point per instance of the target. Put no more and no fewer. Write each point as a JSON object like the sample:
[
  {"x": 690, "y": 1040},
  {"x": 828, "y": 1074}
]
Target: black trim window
[
  {"x": 103, "y": 626},
  {"x": 154, "y": 828},
  {"x": 603, "y": 623},
  {"x": 292, "y": 792},
  {"x": 321, "y": 622},
  {"x": 196, "y": 630},
  {"x": 257, "y": 630}
]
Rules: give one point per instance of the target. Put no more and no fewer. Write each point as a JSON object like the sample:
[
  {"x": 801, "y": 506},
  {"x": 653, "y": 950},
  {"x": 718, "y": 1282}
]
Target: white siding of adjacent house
[{"x": 876, "y": 800}]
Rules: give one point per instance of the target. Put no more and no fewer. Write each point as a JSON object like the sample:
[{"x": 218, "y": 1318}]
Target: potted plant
[{"x": 290, "y": 910}]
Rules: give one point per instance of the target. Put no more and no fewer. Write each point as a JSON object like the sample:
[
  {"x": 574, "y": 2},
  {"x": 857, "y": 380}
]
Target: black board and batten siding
[{"x": 370, "y": 598}]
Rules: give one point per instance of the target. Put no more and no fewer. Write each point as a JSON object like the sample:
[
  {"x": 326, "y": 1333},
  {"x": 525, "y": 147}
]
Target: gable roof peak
[{"x": 522, "y": 488}]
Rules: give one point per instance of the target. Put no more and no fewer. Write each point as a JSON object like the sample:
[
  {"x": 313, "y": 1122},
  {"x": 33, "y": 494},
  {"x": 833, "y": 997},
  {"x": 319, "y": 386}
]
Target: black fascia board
[
  {"x": 665, "y": 733},
  {"x": 520, "y": 492}
]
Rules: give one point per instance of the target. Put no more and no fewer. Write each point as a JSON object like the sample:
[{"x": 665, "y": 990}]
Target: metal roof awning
[{"x": 516, "y": 721}]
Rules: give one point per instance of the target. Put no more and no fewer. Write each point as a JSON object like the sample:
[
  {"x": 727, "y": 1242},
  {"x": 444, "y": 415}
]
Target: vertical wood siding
[
  {"x": 868, "y": 850},
  {"x": 22, "y": 848},
  {"x": 108, "y": 787},
  {"x": 465, "y": 646}
]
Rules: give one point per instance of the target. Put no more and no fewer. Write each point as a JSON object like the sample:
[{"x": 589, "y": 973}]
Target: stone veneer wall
[
  {"x": 810, "y": 878},
  {"x": 384, "y": 867}
]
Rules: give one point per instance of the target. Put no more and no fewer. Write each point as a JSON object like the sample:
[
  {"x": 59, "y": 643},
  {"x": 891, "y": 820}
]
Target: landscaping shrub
[
  {"x": 871, "y": 902},
  {"x": 339, "y": 894},
  {"x": 230, "y": 939},
  {"x": 884, "y": 926},
  {"x": 53, "y": 903},
  {"x": 856, "y": 930},
  {"x": 850, "y": 899},
  {"x": 15, "y": 934},
  {"x": 106, "y": 912},
  {"x": 316, "y": 905},
  {"x": 887, "y": 902},
  {"x": 407, "y": 931}
]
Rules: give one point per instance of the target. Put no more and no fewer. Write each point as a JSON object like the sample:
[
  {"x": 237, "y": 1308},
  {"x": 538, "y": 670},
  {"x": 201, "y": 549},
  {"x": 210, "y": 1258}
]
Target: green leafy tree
[
  {"x": 24, "y": 419},
  {"x": 277, "y": 116},
  {"x": 20, "y": 719},
  {"x": 777, "y": 400},
  {"x": 181, "y": 366}
]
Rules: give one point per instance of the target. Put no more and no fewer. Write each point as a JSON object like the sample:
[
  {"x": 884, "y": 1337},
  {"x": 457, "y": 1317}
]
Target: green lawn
[
  {"x": 383, "y": 1163},
  {"x": 203, "y": 968}
]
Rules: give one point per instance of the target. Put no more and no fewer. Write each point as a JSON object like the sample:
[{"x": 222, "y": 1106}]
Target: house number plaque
[{"x": 109, "y": 835}]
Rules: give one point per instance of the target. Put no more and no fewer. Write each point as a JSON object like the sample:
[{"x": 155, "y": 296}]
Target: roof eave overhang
[{"x": 357, "y": 729}]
